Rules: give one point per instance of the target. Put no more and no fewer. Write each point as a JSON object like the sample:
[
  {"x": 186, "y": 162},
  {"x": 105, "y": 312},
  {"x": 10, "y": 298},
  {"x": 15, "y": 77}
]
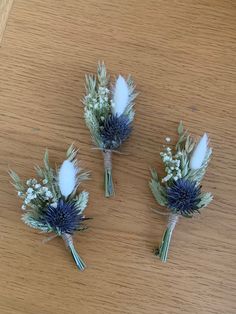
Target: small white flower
[
  {"x": 120, "y": 96},
  {"x": 48, "y": 194},
  {"x": 20, "y": 193},
  {"x": 28, "y": 182},
  {"x": 199, "y": 153},
  {"x": 54, "y": 204},
  {"x": 166, "y": 158},
  {"x": 30, "y": 191},
  {"x": 166, "y": 178},
  {"x": 23, "y": 207},
  {"x": 27, "y": 200},
  {"x": 179, "y": 154},
  {"x": 37, "y": 186},
  {"x": 45, "y": 181},
  {"x": 167, "y": 139},
  {"x": 67, "y": 177}
]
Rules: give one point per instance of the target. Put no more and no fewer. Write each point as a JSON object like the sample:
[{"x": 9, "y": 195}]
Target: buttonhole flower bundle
[
  {"x": 180, "y": 189},
  {"x": 109, "y": 113},
  {"x": 51, "y": 203}
]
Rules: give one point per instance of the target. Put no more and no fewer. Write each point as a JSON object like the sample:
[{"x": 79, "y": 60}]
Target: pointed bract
[
  {"x": 199, "y": 153},
  {"x": 67, "y": 178},
  {"x": 120, "y": 96}
]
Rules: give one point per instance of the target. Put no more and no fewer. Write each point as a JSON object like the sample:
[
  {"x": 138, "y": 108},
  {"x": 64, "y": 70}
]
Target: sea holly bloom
[
  {"x": 180, "y": 190},
  {"x": 109, "y": 115},
  {"x": 53, "y": 205},
  {"x": 183, "y": 197},
  {"x": 115, "y": 131}
]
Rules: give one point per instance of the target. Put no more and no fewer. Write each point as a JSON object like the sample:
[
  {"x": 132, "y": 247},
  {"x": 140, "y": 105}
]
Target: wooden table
[{"x": 182, "y": 55}]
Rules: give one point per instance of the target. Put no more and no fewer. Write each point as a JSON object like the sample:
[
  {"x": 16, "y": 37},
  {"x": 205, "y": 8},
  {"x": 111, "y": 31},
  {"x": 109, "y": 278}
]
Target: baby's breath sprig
[
  {"x": 51, "y": 203},
  {"x": 109, "y": 115},
  {"x": 180, "y": 190}
]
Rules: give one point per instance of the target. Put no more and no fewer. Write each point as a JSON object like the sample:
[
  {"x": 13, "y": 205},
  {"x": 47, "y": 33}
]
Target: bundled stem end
[
  {"x": 162, "y": 251},
  {"x": 108, "y": 182},
  {"x": 77, "y": 259}
]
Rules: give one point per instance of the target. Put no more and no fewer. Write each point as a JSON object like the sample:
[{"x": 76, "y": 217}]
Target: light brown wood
[
  {"x": 5, "y": 7},
  {"x": 182, "y": 56}
]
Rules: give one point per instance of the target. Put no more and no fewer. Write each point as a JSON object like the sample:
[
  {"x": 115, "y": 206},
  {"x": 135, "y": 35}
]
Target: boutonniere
[
  {"x": 51, "y": 203},
  {"x": 180, "y": 189},
  {"x": 109, "y": 114}
]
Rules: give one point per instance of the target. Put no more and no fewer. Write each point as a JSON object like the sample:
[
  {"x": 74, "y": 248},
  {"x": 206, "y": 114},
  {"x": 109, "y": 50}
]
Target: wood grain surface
[{"x": 182, "y": 55}]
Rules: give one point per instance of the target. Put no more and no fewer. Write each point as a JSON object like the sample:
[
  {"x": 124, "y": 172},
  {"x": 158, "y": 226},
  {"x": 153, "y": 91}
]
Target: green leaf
[
  {"x": 14, "y": 176},
  {"x": 198, "y": 174},
  {"x": 39, "y": 172},
  {"x": 191, "y": 147},
  {"x": 29, "y": 219},
  {"x": 103, "y": 78},
  {"x": 90, "y": 82},
  {"x": 180, "y": 128},
  {"x": 157, "y": 189},
  {"x": 205, "y": 199},
  {"x": 129, "y": 111},
  {"x": 46, "y": 160},
  {"x": 93, "y": 125},
  {"x": 184, "y": 164},
  {"x": 181, "y": 141},
  {"x": 71, "y": 153},
  {"x": 82, "y": 201},
  {"x": 19, "y": 186},
  {"x": 154, "y": 174}
]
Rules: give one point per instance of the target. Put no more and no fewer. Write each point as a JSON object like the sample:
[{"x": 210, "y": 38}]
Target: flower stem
[
  {"x": 77, "y": 259},
  {"x": 108, "y": 182},
  {"x": 162, "y": 252}
]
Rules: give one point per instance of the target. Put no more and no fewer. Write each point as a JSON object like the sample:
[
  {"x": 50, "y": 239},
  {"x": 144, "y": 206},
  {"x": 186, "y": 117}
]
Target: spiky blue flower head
[
  {"x": 64, "y": 218},
  {"x": 115, "y": 131},
  {"x": 183, "y": 197}
]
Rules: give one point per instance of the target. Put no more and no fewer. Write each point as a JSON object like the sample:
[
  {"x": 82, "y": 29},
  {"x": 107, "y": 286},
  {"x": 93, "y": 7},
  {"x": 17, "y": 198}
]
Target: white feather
[
  {"x": 120, "y": 96},
  {"x": 67, "y": 177},
  {"x": 199, "y": 153}
]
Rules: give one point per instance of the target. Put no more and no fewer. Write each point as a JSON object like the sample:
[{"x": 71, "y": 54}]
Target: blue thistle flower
[
  {"x": 183, "y": 197},
  {"x": 115, "y": 131},
  {"x": 63, "y": 219}
]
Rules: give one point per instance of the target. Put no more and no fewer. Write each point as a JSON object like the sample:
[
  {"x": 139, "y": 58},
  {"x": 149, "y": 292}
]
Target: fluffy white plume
[
  {"x": 120, "y": 96},
  {"x": 199, "y": 153},
  {"x": 67, "y": 177}
]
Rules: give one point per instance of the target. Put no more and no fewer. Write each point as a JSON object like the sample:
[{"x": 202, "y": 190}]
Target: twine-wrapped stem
[
  {"x": 108, "y": 182},
  {"x": 69, "y": 243},
  {"x": 162, "y": 251}
]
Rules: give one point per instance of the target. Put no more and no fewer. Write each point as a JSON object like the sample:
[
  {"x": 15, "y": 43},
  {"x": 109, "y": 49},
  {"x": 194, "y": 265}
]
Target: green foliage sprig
[
  {"x": 51, "y": 203},
  {"x": 109, "y": 113},
  {"x": 179, "y": 191}
]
